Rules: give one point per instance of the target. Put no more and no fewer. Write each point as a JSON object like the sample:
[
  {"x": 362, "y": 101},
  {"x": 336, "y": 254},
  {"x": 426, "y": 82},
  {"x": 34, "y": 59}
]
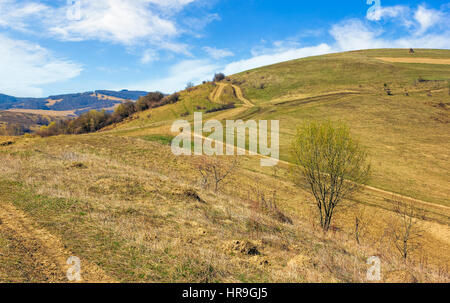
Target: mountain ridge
[{"x": 78, "y": 102}]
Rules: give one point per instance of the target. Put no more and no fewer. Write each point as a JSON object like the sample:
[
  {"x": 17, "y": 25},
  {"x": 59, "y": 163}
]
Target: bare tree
[
  {"x": 333, "y": 164},
  {"x": 214, "y": 170},
  {"x": 404, "y": 229},
  {"x": 189, "y": 85}
]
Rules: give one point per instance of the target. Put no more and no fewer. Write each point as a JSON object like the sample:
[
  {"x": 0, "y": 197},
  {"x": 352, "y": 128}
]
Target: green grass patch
[{"x": 162, "y": 139}]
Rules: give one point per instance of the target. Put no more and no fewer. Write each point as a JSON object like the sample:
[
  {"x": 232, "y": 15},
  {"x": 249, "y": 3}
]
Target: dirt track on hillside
[
  {"x": 241, "y": 97},
  {"x": 415, "y": 60},
  {"x": 45, "y": 254},
  {"x": 217, "y": 92}
]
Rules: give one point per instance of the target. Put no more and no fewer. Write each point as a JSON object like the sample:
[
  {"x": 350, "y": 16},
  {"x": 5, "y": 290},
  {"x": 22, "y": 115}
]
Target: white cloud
[
  {"x": 17, "y": 15},
  {"x": 420, "y": 19},
  {"x": 121, "y": 21},
  {"x": 355, "y": 35},
  {"x": 179, "y": 75},
  {"x": 426, "y": 18},
  {"x": 26, "y": 66},
  {"x": 216, "y": 53},
  {"x": 149, "y": 56},
  {"x": 127, "y": 22},
  {"x": 172, "y": 4},
  {"x": 275, "y": 57},
  {"x": 387, "y": 12}
]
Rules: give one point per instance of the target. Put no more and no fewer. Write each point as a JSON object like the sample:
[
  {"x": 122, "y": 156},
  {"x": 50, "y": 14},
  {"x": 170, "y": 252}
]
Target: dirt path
[
  {"x": 415, "y": 60},
  {"x": 241, "y": 97},
  {"x": 45, "y": 253},
  {"x": 217, "y": 92}
]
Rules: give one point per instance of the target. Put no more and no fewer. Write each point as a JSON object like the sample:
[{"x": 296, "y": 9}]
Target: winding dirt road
[
  {"x": 218, "y": 91},
  {"x": 241, "y": 97}
]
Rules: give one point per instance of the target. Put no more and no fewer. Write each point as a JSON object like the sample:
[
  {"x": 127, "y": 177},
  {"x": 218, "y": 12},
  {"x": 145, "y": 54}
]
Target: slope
[{"x": 400, "y": 111}]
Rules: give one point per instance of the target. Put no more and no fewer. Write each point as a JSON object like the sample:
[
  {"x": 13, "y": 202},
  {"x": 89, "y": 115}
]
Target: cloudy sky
[{"x": 63, "y": 46}]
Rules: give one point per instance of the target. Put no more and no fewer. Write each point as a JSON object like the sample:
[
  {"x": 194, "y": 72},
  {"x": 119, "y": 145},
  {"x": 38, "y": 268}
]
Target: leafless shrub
[
  {"x": 403, "y": 229},
  {"x": 215, "y": 170},
  {"x": 266, "y": 202}
]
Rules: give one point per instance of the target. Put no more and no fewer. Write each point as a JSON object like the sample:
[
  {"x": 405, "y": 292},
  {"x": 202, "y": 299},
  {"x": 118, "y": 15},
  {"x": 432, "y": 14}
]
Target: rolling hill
[
  {"x": 407, "y": 131},
  {"x": 23, "y": 115},
  {"x": 134, "y": 212}
]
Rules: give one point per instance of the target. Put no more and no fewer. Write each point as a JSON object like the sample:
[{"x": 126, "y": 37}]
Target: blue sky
[{"x": 63, "y": 46}]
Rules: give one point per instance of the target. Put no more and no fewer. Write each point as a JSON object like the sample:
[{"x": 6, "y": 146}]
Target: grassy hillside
[
  {"x": 407, "y": 132},
  {"x": 352, "y": 71},
  {"x": 132, "y": 211}
]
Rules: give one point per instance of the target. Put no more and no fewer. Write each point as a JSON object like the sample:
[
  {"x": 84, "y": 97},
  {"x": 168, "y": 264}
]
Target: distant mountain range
[{"x": 78, "y": 103}]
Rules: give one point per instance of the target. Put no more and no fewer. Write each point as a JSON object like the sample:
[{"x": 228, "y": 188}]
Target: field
[
  {"x": 43, "y": 112},
  {"x": 133, "y": 212}
]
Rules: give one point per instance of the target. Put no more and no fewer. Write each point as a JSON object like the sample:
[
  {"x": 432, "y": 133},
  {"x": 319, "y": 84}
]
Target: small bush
[
  {"x": 220, "y": 108},
  {"x": 174, "y": 98},
  {"x": 149, "y": 101},
  {"x": 219, "y": 77}
]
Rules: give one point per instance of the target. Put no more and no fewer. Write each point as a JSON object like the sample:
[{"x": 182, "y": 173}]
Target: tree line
[{"x": 94, "y": 120}]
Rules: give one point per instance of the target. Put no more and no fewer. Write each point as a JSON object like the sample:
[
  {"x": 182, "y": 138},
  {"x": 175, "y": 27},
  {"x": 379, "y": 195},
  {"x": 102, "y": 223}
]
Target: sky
[{"x": 66, "y": 46}]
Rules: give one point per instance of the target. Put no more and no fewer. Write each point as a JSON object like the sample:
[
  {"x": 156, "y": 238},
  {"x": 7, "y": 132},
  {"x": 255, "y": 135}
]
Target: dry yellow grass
[
  {"x": 105, "y": 97},
  {"x": 415, "y": 60},
  {"x": 53, "y": 113},
  {"x": 51, "y": 102},
  {"x": 127, "y": 205},
  {"x": 141, "y": 215}
]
